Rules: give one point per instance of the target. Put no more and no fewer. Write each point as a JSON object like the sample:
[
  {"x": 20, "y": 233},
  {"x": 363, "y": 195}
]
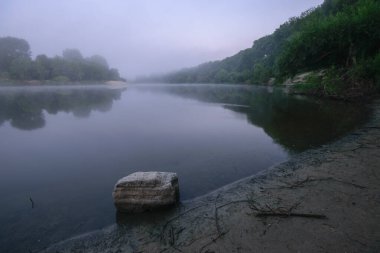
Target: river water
[{"x": 62, "y": 148}]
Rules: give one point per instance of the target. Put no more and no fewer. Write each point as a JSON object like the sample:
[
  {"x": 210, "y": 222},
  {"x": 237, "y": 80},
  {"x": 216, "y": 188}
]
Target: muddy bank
[{"x": 323, "y": 200}]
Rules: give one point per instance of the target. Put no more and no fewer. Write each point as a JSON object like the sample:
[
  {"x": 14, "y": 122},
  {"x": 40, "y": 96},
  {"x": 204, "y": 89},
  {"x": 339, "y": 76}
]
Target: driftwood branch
[
  {"x": 291, "y": 214},
  {"x": 282, "y": 212},
  {"x": 302, "y": 183}
]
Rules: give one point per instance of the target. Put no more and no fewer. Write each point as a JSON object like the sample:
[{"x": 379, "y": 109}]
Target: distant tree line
[
  {"x": 340, "y": 37},
  {"x": 16, "y": 63}
]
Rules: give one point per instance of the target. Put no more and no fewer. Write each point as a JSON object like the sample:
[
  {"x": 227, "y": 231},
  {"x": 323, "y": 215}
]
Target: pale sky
[{"x": 146, "y": 36}]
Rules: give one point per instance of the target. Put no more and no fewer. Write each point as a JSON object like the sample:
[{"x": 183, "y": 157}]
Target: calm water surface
[{"x": 63, "y": 148}]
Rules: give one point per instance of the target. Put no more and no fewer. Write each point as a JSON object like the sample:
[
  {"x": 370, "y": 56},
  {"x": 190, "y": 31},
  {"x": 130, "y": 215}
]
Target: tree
[
  {"x": 58, "y": 67},
  {"x": 96, "y": 68},
  {"x": 113, "y": 74},
  {"x": 261, "y": 74},
  {"x": 72, "y": 55},
  {"x": 222, "y": 76},
  {"x": 42, "y": 68},
  {"x": 21, "y": 68},
  {"x": 15, "y": 62},
  {"x": 340, "y": 39},
  {"x": 12, "y": 49},
  {"x": 98, "y": 60}
]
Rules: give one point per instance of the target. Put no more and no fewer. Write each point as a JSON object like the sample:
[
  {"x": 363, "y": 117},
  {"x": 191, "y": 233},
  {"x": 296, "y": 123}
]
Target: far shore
[
  {"x": 8, "y": 82},
  {"x": 322, "y": 200}
]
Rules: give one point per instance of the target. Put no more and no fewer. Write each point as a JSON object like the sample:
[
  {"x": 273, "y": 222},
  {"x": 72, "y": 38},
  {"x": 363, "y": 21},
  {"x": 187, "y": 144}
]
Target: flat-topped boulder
[{"x": 142, "y": 191}]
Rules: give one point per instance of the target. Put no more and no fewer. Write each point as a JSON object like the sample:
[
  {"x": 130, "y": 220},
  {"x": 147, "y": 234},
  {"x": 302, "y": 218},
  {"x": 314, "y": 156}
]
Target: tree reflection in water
[
  {"x": 24, "y": 108},
  {"x": 295, "y": 122}
]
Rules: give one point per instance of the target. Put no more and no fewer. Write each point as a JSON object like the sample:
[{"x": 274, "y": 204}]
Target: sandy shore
[{"x": 323, "y": 200}]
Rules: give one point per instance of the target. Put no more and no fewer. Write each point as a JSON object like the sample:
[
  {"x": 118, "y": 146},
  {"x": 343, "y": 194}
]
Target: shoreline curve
[{"x": 339, "y": 181}]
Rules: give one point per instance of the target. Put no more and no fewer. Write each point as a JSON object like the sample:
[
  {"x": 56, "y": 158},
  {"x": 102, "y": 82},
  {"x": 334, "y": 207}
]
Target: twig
[
  {"x": 212, "y": 241},
  {"x": 269, "y": 207},
  {"x": 194, "y": 240},
  {"x": 216, "y": 216},
  {"x": 171, "y": 238},
  {"x": 374, "y": 174},
  {"x": 234, "y": 202},
  {"x": 308, "y": 179},
  {"x": 354, "y": 240},
  {"x": 282, "y": 212},
  {"x": 342, "y": 182},
  {"x": 177, "y": 249},
  {"x": 31, "y": 200},
  {"x": 291, "y": 214},
  {"x": 178, "y": 216},
  {"x": 221, "y": 206},
  {"x": 179, "y": 231}
]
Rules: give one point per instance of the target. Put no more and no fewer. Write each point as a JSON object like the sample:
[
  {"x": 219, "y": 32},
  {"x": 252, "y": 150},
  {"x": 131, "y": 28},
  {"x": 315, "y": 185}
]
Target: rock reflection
[
  {"x": 24, "y": 108},
  {"x": 131, "y": 220}
]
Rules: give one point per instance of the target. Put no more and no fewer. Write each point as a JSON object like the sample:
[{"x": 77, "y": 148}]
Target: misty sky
[{"x": 146, "y": 36}]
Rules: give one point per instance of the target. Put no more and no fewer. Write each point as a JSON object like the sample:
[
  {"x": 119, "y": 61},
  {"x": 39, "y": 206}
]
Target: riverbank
[
  {"x": 323, "y": 200},
  {"x": 319, "y": 84}
]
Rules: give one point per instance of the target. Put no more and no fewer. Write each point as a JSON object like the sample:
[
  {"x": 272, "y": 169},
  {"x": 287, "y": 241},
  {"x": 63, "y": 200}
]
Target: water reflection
[
  {"x": 295, "y": 122},
  {"x": 24, "y": 108},
  {"x": 130, "y": 220}
]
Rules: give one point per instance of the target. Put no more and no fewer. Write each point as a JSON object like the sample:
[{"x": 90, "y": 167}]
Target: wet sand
[{"x": 322, "y": 200}]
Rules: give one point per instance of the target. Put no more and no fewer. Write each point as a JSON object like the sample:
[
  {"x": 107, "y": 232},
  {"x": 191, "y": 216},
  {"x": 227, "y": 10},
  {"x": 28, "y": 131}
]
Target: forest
[
  {"x": 16, "y": 63},
  {"x": 336, "y": 43}
]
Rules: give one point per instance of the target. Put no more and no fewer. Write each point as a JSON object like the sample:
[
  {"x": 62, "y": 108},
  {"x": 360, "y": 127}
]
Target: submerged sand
[{"x": 323, "y": 200}]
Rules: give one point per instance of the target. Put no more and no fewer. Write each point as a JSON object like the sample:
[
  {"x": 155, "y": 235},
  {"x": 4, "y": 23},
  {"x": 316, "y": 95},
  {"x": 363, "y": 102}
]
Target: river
[{"x": 64, "y": 147}]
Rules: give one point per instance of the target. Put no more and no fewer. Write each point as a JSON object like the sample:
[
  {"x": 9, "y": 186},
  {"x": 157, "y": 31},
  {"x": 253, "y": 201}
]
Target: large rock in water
[{"x": 142, "y": 191}]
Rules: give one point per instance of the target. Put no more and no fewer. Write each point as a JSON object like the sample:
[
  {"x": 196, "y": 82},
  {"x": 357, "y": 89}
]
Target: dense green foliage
[
  {"x": 341, "y": 37},
  {"x": 16, "y": 63}
]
